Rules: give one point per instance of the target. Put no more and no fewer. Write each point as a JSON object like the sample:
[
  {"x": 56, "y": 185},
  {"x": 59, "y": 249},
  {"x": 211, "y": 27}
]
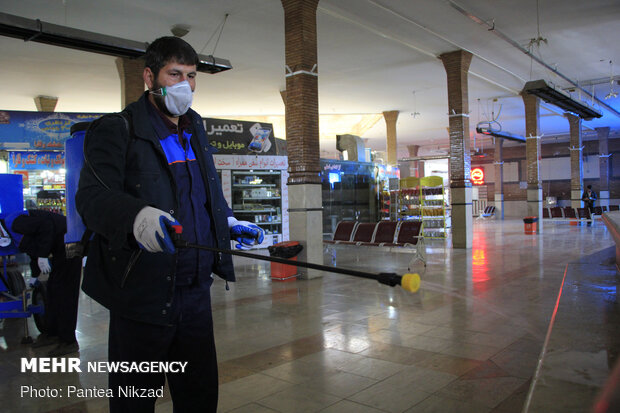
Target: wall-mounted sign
[
  {"x": 477, "y": 176},
  {"x": 36, "y": 160},
  {"x": 22, "y": 130},
  {"x": 240, "y": 137}
]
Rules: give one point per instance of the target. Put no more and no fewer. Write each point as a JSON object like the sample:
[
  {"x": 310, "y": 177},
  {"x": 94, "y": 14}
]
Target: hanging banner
[
  {"x": 38, "y": 130},
  {"x": 240, "y": 137},
  {"x": 36, "y": 160}
]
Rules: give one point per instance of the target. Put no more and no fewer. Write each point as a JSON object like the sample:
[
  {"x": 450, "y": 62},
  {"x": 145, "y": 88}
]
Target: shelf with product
[
  {"x": 255, "y": 187},
  {"x": 44, "y": 189},
  {"x": 384, "y": 205},
  {"x": 424, "y": 199},
  {"x": 256, "y": 197},
  {"x": 433, "y": 205},
  {"x": 409, "y": 199}
]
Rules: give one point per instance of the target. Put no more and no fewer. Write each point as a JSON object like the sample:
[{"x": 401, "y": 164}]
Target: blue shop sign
[
  {"x": 36, "y": 160},
  {"x": 38, "y": 130}
]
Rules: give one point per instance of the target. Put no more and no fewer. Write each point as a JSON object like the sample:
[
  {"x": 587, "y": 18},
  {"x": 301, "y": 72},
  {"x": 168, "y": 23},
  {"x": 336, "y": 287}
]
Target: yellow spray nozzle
[{"x": 410, "y": 282}]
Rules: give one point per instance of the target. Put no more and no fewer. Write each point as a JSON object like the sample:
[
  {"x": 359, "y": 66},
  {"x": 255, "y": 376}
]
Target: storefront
[
  {"x": 32, "y": 144},
  {"x": 254, "y": 178},
  {"x": 352, "y": 191}
]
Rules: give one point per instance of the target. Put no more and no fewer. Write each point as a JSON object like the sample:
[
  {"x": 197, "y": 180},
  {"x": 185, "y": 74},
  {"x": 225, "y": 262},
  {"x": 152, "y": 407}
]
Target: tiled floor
[{"x": 469, "y": 341}]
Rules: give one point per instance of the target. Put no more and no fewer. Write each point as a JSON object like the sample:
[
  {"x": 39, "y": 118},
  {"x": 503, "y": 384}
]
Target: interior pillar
[
  {"x": 603, "y": 161},
  {"x": 576, "y": 160},
  {"x": 456, "y": 65},
  {"x": 302, "y": 131},
  {"x": 390, "y": 122},
  {"x": 499, "y": 178},
  {"x": 132, "y": 84},
  {"x": 46, "y": 103},
  {"x": 533, "y": 157}
]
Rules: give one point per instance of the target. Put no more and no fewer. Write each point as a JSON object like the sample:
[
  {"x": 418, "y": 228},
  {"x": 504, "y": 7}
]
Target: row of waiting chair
[
  {"x": 381, "y": 234},
  {"x": 580, "y": 213}
]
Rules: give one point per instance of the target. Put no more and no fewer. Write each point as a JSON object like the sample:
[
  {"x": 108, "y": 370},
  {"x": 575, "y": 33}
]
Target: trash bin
[
  {"x": 530, "y": 224},
  {"x": 288, "y": 250}
]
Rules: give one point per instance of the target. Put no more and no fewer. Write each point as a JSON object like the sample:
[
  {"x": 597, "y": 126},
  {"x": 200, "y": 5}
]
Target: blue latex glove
[
  {"x": 150, "y": 228},
  {"x": 245, "y": 233}
]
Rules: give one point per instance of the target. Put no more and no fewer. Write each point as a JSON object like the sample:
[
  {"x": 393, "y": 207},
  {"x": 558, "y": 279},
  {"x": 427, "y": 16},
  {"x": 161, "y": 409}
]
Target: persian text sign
[
  {"x": 36, "y": 160},
  {"x": 250, "y": 162},
  {"x": 38, "y": 130}
]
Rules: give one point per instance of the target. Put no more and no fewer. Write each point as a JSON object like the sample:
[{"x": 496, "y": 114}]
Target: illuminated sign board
[{"x": 477, "y": 176}]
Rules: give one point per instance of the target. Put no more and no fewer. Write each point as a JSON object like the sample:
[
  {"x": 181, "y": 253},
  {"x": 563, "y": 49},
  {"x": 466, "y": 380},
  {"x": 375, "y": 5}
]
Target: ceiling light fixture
[
  {"x": 499, "y": 134},
  {"x": 415, "y": 112},
  {"x": 612, "y": 93},
  {"x": 52, "y": 34},
  {"x": 561, "y": 99},
  {"x": 180, "y": 30}
]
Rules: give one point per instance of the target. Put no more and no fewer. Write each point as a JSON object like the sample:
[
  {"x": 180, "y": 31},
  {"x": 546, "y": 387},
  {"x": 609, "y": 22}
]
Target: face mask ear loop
[{"x": 160, "y": 92}]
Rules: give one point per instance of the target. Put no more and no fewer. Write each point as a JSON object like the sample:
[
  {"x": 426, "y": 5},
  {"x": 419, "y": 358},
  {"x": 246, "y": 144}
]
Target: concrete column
[
  {"x": 499, "y": 178},
  {"x": 132, "y": 84},
  {"x": 576, "y": 160},
  {"x": 603, "y": 151},
  {"x": 456, "y": 65},
  {"x": 532, "y": 157},
  {"x": 414, "y": 166},
  {"x": 302, "y": 130},
  {"x": 390, "y": 123},
  {"x": 46, "y": 103}
]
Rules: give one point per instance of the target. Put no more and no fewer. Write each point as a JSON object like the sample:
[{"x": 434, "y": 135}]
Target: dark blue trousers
[
  {"x": 189, "y": 338},
  {"x": 63, "y": 292}
]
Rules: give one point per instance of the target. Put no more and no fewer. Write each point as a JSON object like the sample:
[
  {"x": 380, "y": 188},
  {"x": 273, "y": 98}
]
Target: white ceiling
[{"x": 373, "y": 56}]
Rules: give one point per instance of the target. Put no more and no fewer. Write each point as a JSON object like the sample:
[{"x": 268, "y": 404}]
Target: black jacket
[
  {"x": 125, "y": 170},
  {"x": 43, "y": 234}
]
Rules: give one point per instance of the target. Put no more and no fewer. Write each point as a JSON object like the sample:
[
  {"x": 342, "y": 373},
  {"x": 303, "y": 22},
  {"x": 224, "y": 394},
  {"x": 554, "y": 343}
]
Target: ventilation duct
[
  {"x": 55, "y": 35},
  {"x": 560, "y": 99},
  {"x": 353, "y": 146}
]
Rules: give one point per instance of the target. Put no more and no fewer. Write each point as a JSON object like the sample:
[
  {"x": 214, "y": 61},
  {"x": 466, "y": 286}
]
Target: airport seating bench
[
  {"x": 569, "y": 214},
  {"x": 395, "y": 235}
]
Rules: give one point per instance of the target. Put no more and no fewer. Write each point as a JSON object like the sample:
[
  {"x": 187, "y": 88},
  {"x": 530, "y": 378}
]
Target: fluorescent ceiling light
[
  {"x": 561, "y": 99},
  {"x": 52, "y": 34}
]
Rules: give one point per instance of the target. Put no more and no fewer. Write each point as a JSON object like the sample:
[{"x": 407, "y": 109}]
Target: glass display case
[
  {"x": 349, "y": 192},
  {"x": 256, "y": 190},
  {"x": 256, "y": 197}
]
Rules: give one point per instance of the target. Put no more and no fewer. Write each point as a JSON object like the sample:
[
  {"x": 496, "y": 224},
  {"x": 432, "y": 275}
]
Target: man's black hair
[
  {"x": 589, "y": 186},
  {"x": 169, "y": 49}
]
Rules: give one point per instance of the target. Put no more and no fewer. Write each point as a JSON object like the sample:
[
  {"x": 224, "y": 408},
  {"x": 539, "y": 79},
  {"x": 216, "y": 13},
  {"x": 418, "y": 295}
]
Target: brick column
[
  {"x": 390, "y": 123},
  {"x": 576, "y": 160},
  {"x": 532, "y": 157},
  {"x": 499, "y": 178},
  {"x": 603, "y": 151},
  {"x": 46, "y": 103},
  {"x": 302, "y": 130},
  {"x": 456, "y": 65},
  {"x": 132, "y": 84}
]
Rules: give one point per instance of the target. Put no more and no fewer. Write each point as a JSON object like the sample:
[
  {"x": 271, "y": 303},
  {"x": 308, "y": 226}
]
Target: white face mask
[{"x": 178, "y": 97}]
